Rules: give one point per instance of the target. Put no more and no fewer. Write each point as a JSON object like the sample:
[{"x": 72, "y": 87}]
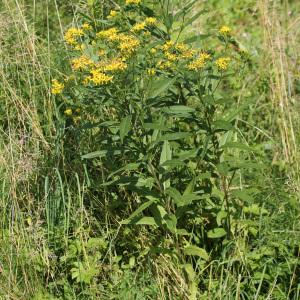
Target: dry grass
[{"x": 281, "y": 41}]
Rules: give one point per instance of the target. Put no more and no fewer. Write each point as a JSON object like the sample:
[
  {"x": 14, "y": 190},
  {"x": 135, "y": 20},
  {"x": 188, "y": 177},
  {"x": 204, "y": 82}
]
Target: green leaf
[
  {"x": 125, "y": 127},
  {"x": 216, "y": 233},
  {"x": 146, "y": 221},
  {"x": 194, "y": 18},
  {"x": 100, "y": 153},
  {"x": 222, "y": 124},
  {"x": 175, "y": 136},
  {"x": 243, "y": 195},
  {"x": 179, "y": 110},
  {"x": 196, "y": 251},
  {"x": 160, "y": 85},
  {"x": 237, "y": 146},
  {"x": 166, "y": 153}
]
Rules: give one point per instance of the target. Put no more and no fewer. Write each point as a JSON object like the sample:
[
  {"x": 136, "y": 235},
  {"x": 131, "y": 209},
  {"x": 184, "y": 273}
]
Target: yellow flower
[
  {"x": 80, "y": 47},
  {"x": 109, "y": 34},
  {"x": 76, "y": 119},
  {"x": 222, "y": 63},
  {"x": 112, "y": 14},
  {"x": 163, "y": 65},
  {"x": 86, "y": 26},
  {"x": 171, "y": 56},
  {"x": 153, "y": 51},
  {"x": 225, "y": 30},
  {"x": 99, "y": 78},
  {"x": 199, "y": 62},
  {"x": 128, "y": 44},
  {"x": 168, "y": 45},
  {"x": 133, "y": 2},
  {"x": 72, "y": 34},
  {"x": 68, "y": 112},
  {"x": 151, "y": 72},
  {"x": 138, "y": 27},
  {"x": 114, "y": 66},
  {"x": 81, "y": 63},
  {"x": 150, "y": 21},
  {"x": 101, "y": 52},
  {"x": 57, "y": 87}
]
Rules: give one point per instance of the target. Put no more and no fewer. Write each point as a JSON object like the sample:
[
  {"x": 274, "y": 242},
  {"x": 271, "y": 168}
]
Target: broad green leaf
[
  {"x": 171, "y": 222},
  {"x": 146, "y": 221},
  {"x": 220, "y": 216},
  {"x": 196, "y": 251},
  {"x": 243, "y": 195},
  {"x": 160, "y": 85},
  {"x": 222, "y": 124},
  {"x": 166, "y": 153},
  {"x": 125, "y": 127},
  {"x": 216, "y": 233}
]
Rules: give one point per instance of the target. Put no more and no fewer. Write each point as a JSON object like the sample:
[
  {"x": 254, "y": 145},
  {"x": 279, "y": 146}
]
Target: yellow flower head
[
  {"x": 109, "y": 34},
  {"x": 171, "y": 56},
  {"x": 81, "y": 63},
  {"x": 153, "y": 51},
  {"x": 115, "y": 65},
  {"x": 72, "y": 34},
  {"x": 99, "y": 78},
  {"x": 112, "y": 14},
  {"x": 138, "y": 27},
  {"x": 150, "y": 21},
  {"x": 168, "y": 45},
  {"x": 128, "y": 44},
  {"x": 225, "y": 30},
  {"x": 68, "y": 112},
  {"x": 86, "y": 26},
  {"x": 164, "y": 65},
  {"x": 199, "y": 62},
  {"x": 133, "y": 2},
  {"x": 151, "y": 72},
  {"x": 57, "y": 87},
  {"x": 80, "y": 47},
  {"x": 222, "y": 63}
]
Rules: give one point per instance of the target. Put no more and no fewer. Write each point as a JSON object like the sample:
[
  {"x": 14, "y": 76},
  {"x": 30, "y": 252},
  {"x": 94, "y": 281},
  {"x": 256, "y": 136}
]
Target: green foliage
[{"x": 156, "y": 180}]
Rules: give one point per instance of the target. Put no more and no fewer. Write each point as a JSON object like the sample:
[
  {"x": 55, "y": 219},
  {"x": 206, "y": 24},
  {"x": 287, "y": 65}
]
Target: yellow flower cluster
[
  {"x": 98, "y": 78},
  {"x": 86, "y": 26},
  {"x": 200, "y": 62},
  {"x": 164, "y": 65},
  {"x": 81, "y": 63},
  {"x": 222, "y": 63},
  {"x": 128, "y": 44},
  {"x": 57, "y": 87},
  {"x": 109, "y": 34},
  {"x": 68, "y": 112},
  {"x": 151, "y": 72},
  {"x": 72, "y": 35},
  {"x": 115, "y": 65},
  {"x": 185, "y": 52},
  {"x": 150, "y": 21},
  {"x": 133, "y": 2},
  {"x": 138, "y": 27},
  {"x": 225, "y": 30},
  {"x": 112, "y": 14}
]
